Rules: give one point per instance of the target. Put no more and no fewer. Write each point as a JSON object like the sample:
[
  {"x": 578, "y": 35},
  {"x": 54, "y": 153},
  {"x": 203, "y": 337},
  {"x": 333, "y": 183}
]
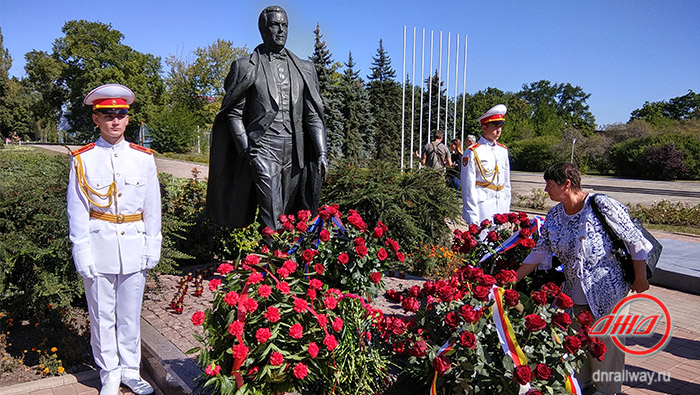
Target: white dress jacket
[{"x": 114, "y": 248}]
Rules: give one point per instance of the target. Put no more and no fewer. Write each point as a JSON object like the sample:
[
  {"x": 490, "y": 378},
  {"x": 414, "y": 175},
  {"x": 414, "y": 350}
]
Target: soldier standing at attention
[
  {"x": 114, "y": 216},
  {"x": 485, "y": 171}
]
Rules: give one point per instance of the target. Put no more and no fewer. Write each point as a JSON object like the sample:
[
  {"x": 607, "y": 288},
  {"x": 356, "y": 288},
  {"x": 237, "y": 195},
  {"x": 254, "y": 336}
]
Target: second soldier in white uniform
[
  {"x": 485, "y": 171},
  {"x": 115, "y": 219}
]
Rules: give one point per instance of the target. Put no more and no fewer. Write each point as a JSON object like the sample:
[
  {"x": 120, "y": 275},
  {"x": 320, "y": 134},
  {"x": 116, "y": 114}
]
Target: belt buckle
[{"x": 120, "y": 218}]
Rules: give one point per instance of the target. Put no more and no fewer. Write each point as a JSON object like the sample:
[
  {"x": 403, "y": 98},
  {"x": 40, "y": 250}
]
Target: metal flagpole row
[
  {"x": 403, "y": 97},
  {"x": 438, "y": 84}
]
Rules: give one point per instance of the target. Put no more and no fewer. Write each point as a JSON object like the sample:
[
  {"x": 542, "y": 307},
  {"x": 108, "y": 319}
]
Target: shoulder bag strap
[{"x": 617, "y": 242}]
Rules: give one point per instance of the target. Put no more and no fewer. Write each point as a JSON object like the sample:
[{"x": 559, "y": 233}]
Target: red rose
[
  {"x": 267, "y": 232},
  {"x": 214, "y": 284},
  {"x": 308, "y": 255},
  {"x": 337, "y": 324},
  {"x": 418, "y": 348},
  {"x": 330, "y": 342},
  {"x": 303, "y": 215},
  {"x": 400, "y": 256},
  {"x": 313, "y": 350},
  {"x": 534, "y": 391},
  {"x": 378, "y": 232},
  {"x": 522, "y": 374},
  {"x": 343, "y": 258},
  {"x": 542, "y": 372},
  {"x": 474, "y": 273},
  {"x": 393, "y": 295},
  {"x": 240, "y": 351},
  {"x": 442, "y": 364},
  {"x": 564, "y": 301},
  {"x": 276, "y": 359},
  {"x": 527, "y": 243},
  {"x": 325, "y": 235},
  {"x": 487, "y": 280},
  {"x": 534, "y": 323},
  {"x": 572, "y": 344},
  {"x": 225, "y": 268},
  {"x": 525, "y": 232},
  {"x": 300, "y": 371},
  {"x": 468, "y": 313},
  {"x": 562, "y": 319},
  {"x": 597, "y": 348},
  {"x": 585, "y": 318},
  {"x": 392, "y": 244},
  {"x": 288, "y": 226},
  {"x": 330, "y": 302},
  {"x": 272, "y": 314},
  {"x": 474, "y": 229},
  {"x": 410, "y": 304},
  {"x": 231, "y": 298},
  {"x": 197, "y": 318},
  {"x": 296, "y": 331},
  {"x": 452, "y": 319},
  {"x": 382, "y": 254},
  {"x": 511, "y": 297},
  {"x": 262, "y": 335},
  {"x": 492, "y": 236},
  {"x": 361, "y": 250},
  {"x": 467, "y": 339},
  {"x": 506, "y": 277},
  {"x": 319, "y": 268},
  {"x": 301, "y": 226},
  {"x": 359, "y": 241},
  {"x": 499, "y": 219},
  {"x": 539, "y": 297},
  {"x": 484, "y": 224},
  {"x": 481, "y": 293},
  {"x": 375, "y": 277},
  {"x": 551, "y": 289}
]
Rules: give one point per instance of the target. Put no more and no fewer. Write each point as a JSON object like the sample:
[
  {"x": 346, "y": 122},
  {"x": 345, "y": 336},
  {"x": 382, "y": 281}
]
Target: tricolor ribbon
[
  {"x": 514, "y": 239},
  {"x": 506, "y": 335},
  {"x": 570, "y": 382}
]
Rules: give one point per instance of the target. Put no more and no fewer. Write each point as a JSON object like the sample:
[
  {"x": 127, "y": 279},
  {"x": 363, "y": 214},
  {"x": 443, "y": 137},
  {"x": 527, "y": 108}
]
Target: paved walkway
[{"x": 170, "y": 335}]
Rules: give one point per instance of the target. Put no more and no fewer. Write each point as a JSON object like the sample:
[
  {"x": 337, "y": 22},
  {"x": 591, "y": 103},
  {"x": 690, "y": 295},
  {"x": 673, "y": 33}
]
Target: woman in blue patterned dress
[{"x": 594, "y": 279}]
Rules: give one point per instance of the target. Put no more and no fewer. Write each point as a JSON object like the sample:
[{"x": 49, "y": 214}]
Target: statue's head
[{"x": 273, "y": 27}]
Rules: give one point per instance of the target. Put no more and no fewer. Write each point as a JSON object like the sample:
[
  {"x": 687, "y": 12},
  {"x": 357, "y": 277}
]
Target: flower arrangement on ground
[
  {"x": 474, "y": 333},
  {"x": 280, "y": 322}
]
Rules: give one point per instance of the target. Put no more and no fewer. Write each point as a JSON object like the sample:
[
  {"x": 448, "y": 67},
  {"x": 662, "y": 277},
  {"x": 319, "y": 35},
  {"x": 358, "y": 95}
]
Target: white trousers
[{"x": 114, "y": 305}]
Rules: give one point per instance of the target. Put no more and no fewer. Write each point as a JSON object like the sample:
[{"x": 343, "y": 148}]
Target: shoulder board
[
  {"x": 82, "y": 149},
  {"x": 473, "y": 146},
  {"x": 140, "y": 148},
  {"x": 502, "y": 145}
]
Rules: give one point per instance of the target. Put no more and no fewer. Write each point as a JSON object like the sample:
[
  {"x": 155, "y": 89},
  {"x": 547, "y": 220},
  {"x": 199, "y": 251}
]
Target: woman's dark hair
[{"x": 563, "y": 171}]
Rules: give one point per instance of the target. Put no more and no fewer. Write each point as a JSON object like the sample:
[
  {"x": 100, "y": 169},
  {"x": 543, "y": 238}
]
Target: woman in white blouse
[{"x": 594, "y": 280}]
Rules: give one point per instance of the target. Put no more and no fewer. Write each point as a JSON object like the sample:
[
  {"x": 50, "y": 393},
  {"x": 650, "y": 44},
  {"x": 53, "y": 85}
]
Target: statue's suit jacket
[{"x": 231, "y": 199}]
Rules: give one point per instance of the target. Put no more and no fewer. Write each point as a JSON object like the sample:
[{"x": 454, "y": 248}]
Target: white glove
[
  {"x": 148, "y": 262},
  {"x": 88, "y": 271}
]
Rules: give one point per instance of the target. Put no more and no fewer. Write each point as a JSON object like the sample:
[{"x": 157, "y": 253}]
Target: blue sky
[{"x": 623, "y": 53}]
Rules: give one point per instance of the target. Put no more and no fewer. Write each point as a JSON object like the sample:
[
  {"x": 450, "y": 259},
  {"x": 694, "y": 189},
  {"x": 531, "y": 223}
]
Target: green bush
[
  {"x": 191, "y": 236},
  {"x": 36, "y": 268},
  {"x": 666, "y": 156},
  {"x": 667, "y": 213},
  {"x": 414, "y": 205},
  {"x": 536, "y": 154}
]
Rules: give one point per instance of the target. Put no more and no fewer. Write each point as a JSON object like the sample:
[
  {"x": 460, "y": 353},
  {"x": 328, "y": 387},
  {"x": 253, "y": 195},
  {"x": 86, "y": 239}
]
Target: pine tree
[
  {"x": 329, "y": 83},
  {"x": 385, "y": 99},
  {"x": 359, "y": 129}
]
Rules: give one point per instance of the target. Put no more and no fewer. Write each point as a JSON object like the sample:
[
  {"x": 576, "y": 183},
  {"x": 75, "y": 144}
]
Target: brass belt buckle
[{"x": 120, "y": 218}]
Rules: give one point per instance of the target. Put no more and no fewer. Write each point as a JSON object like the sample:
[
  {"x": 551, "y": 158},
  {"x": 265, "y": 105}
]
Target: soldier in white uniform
[
  {"x": 114, "y": 217},
  {"x": 485, "y": 172}
]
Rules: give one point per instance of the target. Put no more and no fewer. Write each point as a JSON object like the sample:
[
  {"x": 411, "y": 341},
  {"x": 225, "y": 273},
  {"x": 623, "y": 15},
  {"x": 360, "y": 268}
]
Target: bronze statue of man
[{"x": 268, "y": 141}]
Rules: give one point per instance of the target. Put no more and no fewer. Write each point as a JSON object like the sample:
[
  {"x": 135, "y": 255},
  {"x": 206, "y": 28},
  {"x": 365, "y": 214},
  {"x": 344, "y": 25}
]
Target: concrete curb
[
  {"x": 174, "y": 372},
  {"x": 52, "y": 382}
]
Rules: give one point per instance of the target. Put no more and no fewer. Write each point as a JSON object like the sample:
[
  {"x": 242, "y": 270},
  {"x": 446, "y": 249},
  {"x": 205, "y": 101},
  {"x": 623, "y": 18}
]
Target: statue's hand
[{"x": 323, "y": 165}]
